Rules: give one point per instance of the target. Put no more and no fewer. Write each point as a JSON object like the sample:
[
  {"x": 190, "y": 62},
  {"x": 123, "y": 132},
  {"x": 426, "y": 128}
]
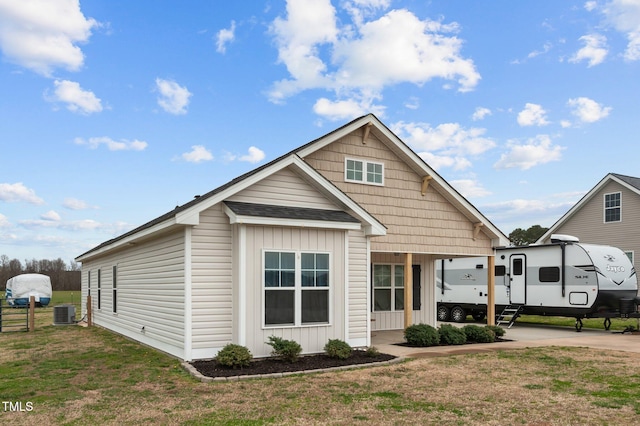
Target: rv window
[
  {"x": 549, "y": 274},
  {"x": 517, "y": 267},
  {"x": 501, "y": 270}
]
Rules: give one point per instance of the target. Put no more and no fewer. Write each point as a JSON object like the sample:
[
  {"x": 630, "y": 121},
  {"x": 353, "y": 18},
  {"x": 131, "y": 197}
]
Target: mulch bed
[{"x": 272, "y": 365}]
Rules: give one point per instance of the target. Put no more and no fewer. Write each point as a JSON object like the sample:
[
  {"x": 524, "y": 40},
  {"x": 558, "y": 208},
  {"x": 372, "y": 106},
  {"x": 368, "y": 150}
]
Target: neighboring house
[
  {"x": 608, "y": 214},
  {"x": 330, "y": 241}
]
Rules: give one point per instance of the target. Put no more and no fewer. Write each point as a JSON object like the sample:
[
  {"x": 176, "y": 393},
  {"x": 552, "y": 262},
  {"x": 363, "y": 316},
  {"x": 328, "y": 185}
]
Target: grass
[
  {"x": 617, "y": 324},
  {"x": 76, "y": 376}
]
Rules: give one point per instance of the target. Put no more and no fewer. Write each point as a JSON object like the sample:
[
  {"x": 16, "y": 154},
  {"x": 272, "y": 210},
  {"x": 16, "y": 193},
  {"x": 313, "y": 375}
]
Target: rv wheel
[
  {"x": 478, "y": 315},
  {"x": 458, "y": 314},
  {"x": 443, "y": 313}
]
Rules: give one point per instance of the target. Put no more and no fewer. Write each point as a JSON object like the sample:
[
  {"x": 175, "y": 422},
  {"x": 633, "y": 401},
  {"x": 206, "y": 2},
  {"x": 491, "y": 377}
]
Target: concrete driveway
[{"x": 520, "y": 336}]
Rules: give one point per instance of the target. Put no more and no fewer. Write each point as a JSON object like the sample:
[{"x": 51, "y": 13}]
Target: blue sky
[{"x": 114, "y": 112}]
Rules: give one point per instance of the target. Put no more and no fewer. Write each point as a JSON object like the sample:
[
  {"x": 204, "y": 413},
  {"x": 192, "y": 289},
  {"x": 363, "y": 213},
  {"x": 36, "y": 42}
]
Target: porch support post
[
  {"x": 491, "y": 290},
  {"x": 408, "y": 290}
]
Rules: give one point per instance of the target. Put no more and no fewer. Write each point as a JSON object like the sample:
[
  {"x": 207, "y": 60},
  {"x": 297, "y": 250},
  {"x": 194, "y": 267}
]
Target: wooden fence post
[
  {"x": 89, "y": 311},
  {"x": 32, "y": 313}
]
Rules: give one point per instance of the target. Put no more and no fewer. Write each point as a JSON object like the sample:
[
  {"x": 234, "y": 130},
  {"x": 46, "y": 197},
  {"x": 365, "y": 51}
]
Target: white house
[{"x": 330, "y": 241}]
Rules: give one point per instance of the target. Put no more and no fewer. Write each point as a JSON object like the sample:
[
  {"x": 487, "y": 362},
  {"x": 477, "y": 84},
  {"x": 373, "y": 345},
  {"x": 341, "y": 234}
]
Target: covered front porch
[{"x": 400, "y": 280}]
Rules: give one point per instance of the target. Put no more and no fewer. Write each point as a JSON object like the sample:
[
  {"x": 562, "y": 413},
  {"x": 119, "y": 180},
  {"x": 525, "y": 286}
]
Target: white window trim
[
  {"x": 633, "y": 255},
  {"x": 297, "y": 290},
  {"x": 604, "y": 207},
  {"x": 393, "y": 287},
  {"x": 114, "y": 289},
  {"x": 364, "y": 180}
]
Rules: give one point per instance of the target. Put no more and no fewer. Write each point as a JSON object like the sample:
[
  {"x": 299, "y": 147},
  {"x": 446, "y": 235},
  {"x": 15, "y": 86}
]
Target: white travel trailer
[
  {"x": 21, "y": 287},
  {"x": 563, "y": 278}
]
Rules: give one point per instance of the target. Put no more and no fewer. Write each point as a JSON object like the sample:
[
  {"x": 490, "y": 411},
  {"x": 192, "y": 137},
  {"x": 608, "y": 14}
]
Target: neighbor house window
[
  {"x": 364, "y": 171},
  {"x": 296, "y": 288},
  {"x": 88, "y": 283},
  {"x": 388, "y": 288},
  {"x": 115, "y": 290},
  {"x": 613, "y": 207}
]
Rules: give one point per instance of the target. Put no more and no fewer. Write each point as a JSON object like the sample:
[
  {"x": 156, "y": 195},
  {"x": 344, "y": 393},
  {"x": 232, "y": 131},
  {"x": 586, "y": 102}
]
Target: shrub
[
  {"x": 497, "y": 330},
  {"x": 478, "y": 334},
  {"x": 421, "y": 335},
  {"x": 452, "y": 335},
  {"x": 234, "y": 356},
  {"x": 336, "y": 348},
  {"x": 287, "y": 350},
  {"x": 372, "y": 352}
]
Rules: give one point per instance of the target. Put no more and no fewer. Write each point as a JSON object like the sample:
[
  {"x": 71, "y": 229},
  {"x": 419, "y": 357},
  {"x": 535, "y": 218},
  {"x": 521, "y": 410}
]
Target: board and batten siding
[
  {"x": 415, "y": 223},
  {"x": 150, "y": 291},
  {"x": 211, "y": 283},
  {"x": 284, "y": 188},
  {"x": 358, "y": 290},
  {"x": 589, "y": 226},
  {"x": 260, "y": 238}
]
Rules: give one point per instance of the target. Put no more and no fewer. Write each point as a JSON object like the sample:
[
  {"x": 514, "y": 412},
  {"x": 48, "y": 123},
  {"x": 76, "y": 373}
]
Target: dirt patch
[{"x": 211, "y": 368}]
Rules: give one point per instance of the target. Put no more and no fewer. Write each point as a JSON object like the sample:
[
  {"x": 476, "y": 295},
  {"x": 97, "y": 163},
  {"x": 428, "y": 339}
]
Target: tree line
[{"x": 64, "y": 277}]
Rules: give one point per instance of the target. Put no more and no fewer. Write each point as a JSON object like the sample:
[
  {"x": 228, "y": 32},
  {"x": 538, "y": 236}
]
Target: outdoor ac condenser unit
[{"x": 64, "y": 314}]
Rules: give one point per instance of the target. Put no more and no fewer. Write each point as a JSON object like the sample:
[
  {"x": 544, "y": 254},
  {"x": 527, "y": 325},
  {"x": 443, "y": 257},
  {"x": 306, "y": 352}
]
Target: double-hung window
[
  {"x": 388, "y": 288},
  {"x": 613, "y": 207},
  {"x": 296, "y": 288},
  {"x": 362, "y": 171}
]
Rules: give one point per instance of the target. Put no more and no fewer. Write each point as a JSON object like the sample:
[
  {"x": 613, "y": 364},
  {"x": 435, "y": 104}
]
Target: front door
[{"x": 518, "y": 279}]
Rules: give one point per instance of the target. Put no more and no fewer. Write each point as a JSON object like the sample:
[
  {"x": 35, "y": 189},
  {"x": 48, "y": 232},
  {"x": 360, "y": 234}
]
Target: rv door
[{"x": 518, "y": 279}]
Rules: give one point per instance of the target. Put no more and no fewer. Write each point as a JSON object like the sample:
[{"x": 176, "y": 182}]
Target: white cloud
[
  {"x": 412, "y": 103},
  {"x": 480, "y": 113},
  {"x": 51, "y": 215},
  {"x": 17, "y": 192},
  {"x": 76, "y": 98},
  {"x": 4, "y": 222},
  {"x": 594, "y": 51},
  {"x": 357, "y": 61},
  {"x": 112, "y": 145},
  {"x": 510, "y": 214},
  {"x": 345, "y": 109},
  {"x": 447, "y": 145},
  {"x": 545, "y": 49},
  {"x": 173, "y": 97},
  {"x": 587, "y": 110},
  {"x": 224, "y": 37},
  {"x": 624, "y": 16},
  {"x": 44, "y": 34},
  {"x": 532, "y": 115},
  {"x": 537, "y": 151},
  {"x": 470, "y": 188},
  {"x": 197, "y": 154},
  {"x": 590, "y": 5},
  {"x": 255, "y": 155},
  {"x": 75, "y": 204}
]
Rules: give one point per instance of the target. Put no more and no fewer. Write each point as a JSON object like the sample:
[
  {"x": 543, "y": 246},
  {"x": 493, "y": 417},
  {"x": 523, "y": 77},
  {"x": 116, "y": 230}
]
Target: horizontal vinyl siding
[
  {"x": 150, "y": 291},
  {"x": 416, "y": 223},
  {"x": 284, "y": 188},
  {"x": 588, "y": 222},
  {"x": 211, "y": 278}
]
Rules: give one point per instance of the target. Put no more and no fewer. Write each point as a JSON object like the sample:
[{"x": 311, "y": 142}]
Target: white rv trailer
[{"x": 563, "y": 278}]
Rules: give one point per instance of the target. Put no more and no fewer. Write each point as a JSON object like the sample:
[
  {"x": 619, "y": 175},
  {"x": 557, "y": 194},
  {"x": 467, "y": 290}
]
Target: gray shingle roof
[
  {"x": 633, "y": 181},
  {"x": 284, "y": 212}
]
